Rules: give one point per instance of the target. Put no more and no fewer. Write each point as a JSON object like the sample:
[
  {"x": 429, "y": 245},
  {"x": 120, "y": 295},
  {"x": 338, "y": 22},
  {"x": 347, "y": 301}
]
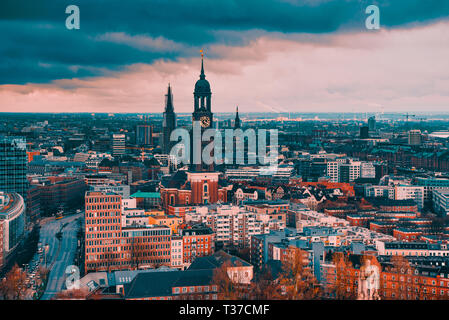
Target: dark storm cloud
[{"x": 36, "y": 46}]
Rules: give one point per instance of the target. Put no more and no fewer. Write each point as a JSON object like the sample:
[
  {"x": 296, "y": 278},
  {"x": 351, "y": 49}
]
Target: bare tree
[
  {"x": 73, "y": 294},
  {"x": 229, "y": 288},
  {"x": 397, "y": 287},
  {"x": 297, "y": 280},
  {"x": 344, "y": 286},
  {"x": 265, "y": 287},
  {"x": 13, "y": 286},
  {"x": 43, "y": 272}
]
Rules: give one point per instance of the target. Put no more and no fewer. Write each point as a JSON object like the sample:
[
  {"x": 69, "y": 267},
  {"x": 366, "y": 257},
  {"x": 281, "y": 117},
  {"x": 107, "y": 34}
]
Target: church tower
[
  {"x": 237, "y": 119},
  {"x": 203, "y": 114},
  {"x": 200, "y": 185},
  {"x": 169, "y": 122},
  {"x": 202, "y": 100}
]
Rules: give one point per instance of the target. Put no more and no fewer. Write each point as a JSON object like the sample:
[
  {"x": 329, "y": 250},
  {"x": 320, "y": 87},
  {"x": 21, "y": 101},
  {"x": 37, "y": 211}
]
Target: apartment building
[
  {"x": 417, "y": 249},
  {"x": 233, "y": 225},
  {"x": 441, "y": 202},
  {"x": 198, "y": 241},
  {"x": 405, "y": 192},
  {"x": 118, "y": 238},
  {"x": 118, "y": 144},
  {"x": 177, "y": 255},
  {"x": 432, "y": 184},
  {"x": 345, "y": 170},
  {"x": 397, "y": 192}
]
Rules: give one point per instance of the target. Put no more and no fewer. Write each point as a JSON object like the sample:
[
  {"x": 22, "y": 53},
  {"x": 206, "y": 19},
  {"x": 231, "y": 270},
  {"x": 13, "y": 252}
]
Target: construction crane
[
  {"x": 142, "y": 151},
  {"x": 420, "y": 122},
  {"x": 142, "y": 148},
  {"x": 407, "y": 116}
]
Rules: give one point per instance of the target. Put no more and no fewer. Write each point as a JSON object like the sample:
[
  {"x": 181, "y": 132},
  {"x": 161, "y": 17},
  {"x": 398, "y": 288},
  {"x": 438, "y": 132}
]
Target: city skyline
[
  {"x": 321, "y": 58},
  {"x": 246, "y": 151}
]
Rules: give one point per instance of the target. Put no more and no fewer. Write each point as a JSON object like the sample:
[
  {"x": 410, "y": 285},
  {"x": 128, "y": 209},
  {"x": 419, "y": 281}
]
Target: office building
[
  {"x": 364, "y": 132},
  {"x": 144, "y": 135},
  {"x": 414, "y": 137},
  {"x": 12, "y": 223},
  {"x": 441, "y": 202},
  {"x": 13, "y": 165},
  {"x": 372, "y": 123},
  {"x": 118, "y": 144}
]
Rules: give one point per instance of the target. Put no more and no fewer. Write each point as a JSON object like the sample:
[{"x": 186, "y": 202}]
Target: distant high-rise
[
  {"x": 118, "y": 144},
  {"x": 414, "y": 137},
  {"x": 144, "y": 134},
  {"x": 364, "y": 132},
  {"x": 169, "y": 122},
  {"x": 13, "y": 165},
  {"x": 372, "y": 123}
]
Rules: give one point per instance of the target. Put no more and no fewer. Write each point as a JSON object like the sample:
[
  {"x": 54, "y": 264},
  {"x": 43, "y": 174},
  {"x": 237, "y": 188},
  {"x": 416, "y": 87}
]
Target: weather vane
[{"x": 202, "y": 53}]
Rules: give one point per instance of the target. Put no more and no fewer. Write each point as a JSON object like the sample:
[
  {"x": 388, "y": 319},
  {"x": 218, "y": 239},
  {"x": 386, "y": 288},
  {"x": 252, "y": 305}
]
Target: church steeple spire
[
  {"x": 202, "y": 93},
  {"x": 169, "y": 121},
  {"x": 202, "y": 75},
  {"x": 237, "y": 119},
  {"x": 169, "y": 100}
]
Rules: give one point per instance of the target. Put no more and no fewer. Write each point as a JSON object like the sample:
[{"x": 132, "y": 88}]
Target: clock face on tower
[{"x": 205, "y": 121}]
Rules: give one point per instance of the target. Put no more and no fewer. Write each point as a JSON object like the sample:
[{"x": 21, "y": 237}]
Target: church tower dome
[
  {"x": 202, "y": 86},
  {"x": 202, "y": 113},
  {"x": 202, "y": 93}
]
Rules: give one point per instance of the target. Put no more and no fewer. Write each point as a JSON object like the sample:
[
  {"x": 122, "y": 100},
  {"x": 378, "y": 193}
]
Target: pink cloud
[{"x": 397, "y": 70}]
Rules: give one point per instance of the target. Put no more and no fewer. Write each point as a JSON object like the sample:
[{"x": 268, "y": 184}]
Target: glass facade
[
  {"x": 13, "y": 165},
  {"x": 12, "y": 214},
  {"x": 16, "y": 229}
]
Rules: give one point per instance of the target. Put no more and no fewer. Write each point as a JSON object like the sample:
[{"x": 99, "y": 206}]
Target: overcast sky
[{"x": 262, "y": 55}]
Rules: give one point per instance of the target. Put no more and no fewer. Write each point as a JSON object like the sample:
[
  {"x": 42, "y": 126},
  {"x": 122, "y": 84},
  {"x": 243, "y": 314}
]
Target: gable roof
[
  {"x": 216, "y": 261},
  {"x": 161, "y": 284}
]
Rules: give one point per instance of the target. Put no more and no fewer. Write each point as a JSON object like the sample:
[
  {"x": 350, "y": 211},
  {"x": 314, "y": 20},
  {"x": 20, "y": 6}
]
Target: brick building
[
  {"x": 404, "y": 234},
  {"x": 411, "y": 279},
  {"x": 110, "y": 245},
  {"x": 198, "y": 241},
  {"x": 103, "y": 231},
  {"x": 55, "y": 192},
  {"x": 184, "y": 188}
]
